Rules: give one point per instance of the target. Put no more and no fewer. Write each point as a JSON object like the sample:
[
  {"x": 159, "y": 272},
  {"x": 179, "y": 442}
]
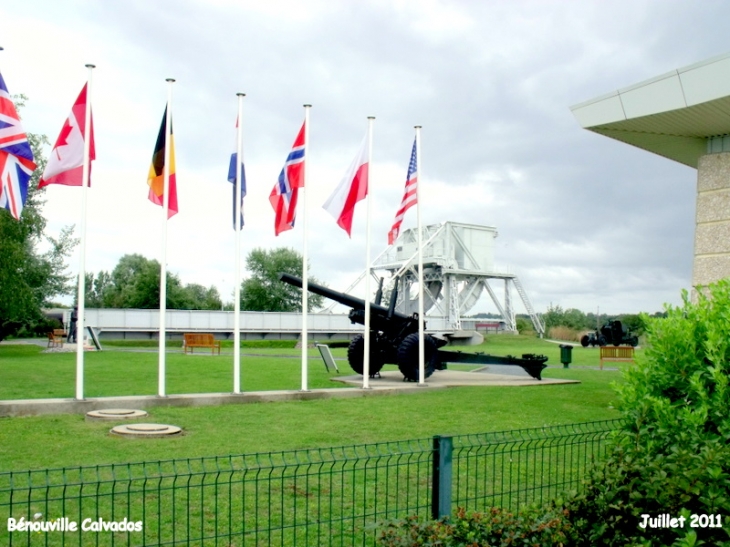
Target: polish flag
[
  {"x": 66, "y": 162},
  {"x": 352, "y": 188}
]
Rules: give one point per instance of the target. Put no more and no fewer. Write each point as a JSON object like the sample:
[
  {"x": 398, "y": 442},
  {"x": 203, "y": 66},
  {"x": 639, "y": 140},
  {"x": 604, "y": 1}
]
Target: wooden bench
[
  {"x": 195, "y": 340},
  {"x": 616, "y": 353},
  {"x": 56, "y": 338}
]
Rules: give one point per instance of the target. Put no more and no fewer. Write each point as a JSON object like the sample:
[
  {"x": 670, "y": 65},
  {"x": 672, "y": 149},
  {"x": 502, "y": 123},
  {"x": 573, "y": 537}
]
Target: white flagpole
[
  {"x": 366, "y": 349},
  {"x": 237, "y": 270},
  {"x": 163, "y": 265},
  {"x": 82, "y": 247},
  {"x": 421, "y": 334},
  {"x": 305, "y": 259}
]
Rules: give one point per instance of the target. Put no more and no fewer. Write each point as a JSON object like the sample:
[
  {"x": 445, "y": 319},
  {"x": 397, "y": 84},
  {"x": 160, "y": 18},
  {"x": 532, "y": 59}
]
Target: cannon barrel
[{"x": 342, "y": 298}]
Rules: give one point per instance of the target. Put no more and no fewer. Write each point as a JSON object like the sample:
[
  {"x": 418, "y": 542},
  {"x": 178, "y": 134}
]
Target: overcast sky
[{"x": 583, "y": 220}]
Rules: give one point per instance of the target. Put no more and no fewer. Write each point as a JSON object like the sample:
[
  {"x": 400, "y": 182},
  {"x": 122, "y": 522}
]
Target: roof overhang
[{"x": 672, "y": 115}]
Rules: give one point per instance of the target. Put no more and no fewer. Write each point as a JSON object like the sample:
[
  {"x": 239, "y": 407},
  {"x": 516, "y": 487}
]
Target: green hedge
[
  {"x": 494, "y": 528},
  {"x": 673, "y": 456}
]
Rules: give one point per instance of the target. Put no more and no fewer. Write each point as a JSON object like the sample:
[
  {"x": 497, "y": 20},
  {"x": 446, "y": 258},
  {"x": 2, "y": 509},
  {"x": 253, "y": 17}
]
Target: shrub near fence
[{"x": 332, "y": 496}]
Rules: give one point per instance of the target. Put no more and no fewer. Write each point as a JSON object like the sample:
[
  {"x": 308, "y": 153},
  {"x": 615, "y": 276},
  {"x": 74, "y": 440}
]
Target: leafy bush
[
  {"x": 495, "y": 528},
  {"x": 38, "y": 328},
  {"x": 673, "y": 455},
  {"x": 524, "y": 326}
]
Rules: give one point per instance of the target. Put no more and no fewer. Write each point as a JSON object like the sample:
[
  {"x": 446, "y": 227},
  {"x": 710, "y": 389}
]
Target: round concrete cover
[
  {"x": 146, "y": 430},
  {"x": 116, "y": 414}
]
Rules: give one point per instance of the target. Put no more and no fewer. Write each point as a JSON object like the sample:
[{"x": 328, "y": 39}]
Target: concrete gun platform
[{"x": 489, "y": 375}]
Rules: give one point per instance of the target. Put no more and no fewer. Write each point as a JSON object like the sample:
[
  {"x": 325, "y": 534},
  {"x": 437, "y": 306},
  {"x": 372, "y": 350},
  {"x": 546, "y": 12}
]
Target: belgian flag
[{"x": 156, "y": 177}]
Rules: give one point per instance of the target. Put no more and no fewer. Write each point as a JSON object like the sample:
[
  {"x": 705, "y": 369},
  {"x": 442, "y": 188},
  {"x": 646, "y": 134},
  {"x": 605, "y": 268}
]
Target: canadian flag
[
  {"x": 352, "y": 188},
  {"x": 66, "y": 162}
]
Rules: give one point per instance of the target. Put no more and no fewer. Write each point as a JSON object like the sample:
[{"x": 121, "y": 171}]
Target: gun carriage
[
  {"x": 612, "y": 333},
  {"x": 394, "y": 339}
]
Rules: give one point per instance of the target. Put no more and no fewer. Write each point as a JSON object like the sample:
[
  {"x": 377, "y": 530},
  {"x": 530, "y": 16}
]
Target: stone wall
[{"x": 712, "y": 229}]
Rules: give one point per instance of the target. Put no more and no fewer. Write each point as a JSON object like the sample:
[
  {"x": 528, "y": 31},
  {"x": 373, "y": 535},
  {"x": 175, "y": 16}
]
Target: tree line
[
  {"x": 576, "y": 320},
  {"x": 135, "y": 283}
]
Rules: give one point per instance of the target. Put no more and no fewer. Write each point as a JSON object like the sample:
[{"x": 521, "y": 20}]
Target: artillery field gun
[
  {"x": 394, "y": 339},
  {"x": 613, "y": 332}
]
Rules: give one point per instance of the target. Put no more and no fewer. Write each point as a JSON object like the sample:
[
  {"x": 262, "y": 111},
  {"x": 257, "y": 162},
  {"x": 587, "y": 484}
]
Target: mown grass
[
  {"x": 26, "y": 372},
  {"x": 69, "y": 440}
]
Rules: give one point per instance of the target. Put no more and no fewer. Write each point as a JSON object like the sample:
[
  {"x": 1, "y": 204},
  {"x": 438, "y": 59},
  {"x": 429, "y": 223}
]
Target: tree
[
  {"x": 135, "y": 283},
  {"x": 29, "y": 279},
  {"x": 200, "y": 298},
  {"x": 574, "y": 319},
  {"x": 263, "y": 291},
  {"x": 97, "y": 289},
  {"x": 553, "y": 317}
]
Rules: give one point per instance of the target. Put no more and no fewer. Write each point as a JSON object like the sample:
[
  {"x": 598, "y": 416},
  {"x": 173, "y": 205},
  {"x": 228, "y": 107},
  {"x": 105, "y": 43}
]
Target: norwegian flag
[
  {"x": 410, "y": 197},
  {"x": 16, "y": 157},
  {"x": 283, "y": 197}
]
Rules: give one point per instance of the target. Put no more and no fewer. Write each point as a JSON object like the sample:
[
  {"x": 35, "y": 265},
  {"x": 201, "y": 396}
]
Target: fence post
[{"x": 443, "y": 447}]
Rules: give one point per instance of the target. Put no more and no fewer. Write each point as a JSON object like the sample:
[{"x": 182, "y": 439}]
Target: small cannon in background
[
  {"x": 394, "y": 339},
  {"x": 612, "y": 333}
]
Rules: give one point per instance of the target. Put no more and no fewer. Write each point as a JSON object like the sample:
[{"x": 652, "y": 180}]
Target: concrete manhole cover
[
  {"x": 115, "y": 414},
  {"x": 146, "y": 430}
]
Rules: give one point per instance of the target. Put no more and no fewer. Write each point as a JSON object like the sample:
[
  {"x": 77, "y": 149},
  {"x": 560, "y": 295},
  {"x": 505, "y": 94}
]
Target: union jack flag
[
  {"x": 410, "y": 197},
  {"x": 283, "y": 197},
  {"x": 16, "y": 157}
]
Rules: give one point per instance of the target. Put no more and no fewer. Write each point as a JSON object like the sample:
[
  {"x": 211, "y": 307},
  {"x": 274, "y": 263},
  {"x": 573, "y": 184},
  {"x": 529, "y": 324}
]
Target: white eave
[{"x": 672, "y": 115}]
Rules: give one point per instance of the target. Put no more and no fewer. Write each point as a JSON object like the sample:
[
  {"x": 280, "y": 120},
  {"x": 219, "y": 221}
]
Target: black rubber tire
[
  {"x": 356, "y": 353},
  {"x": 634, "y": 341},
  {"x": 601, "y": 340},
  {"x": 585, "y": 340},
  {"x": 408, "y": 356}
]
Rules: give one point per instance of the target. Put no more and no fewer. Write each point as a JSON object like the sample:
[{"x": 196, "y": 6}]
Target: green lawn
[{"x": 68, "y": 440}]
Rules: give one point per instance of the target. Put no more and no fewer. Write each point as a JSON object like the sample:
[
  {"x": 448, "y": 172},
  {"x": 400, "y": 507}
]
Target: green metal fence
[{"x": 332, "y": 496}]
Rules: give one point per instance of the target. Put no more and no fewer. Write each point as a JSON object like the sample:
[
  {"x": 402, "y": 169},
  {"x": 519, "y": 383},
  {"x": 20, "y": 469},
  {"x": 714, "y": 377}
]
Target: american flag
[
  {"x": 283, "y": 197},
  {"x": 410, "y": 197},
  {"x": 16, "y": 157}
]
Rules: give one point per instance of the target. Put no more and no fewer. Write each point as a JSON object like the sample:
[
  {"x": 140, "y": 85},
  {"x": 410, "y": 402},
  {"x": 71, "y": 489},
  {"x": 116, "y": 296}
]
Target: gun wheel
[
  {"x": 408, "y": 356},
  {"x": 585, "y": 340},
  {"x": 356, "y": 355}
]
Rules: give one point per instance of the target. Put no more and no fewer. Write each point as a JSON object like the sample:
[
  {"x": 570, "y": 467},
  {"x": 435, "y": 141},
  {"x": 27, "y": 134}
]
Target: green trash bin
[{"x": 566, "y": 354}]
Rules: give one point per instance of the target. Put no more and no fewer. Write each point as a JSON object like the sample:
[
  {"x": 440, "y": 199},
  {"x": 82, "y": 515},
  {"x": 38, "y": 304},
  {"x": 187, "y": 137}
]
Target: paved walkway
[{"x": 390, "y": 383}]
